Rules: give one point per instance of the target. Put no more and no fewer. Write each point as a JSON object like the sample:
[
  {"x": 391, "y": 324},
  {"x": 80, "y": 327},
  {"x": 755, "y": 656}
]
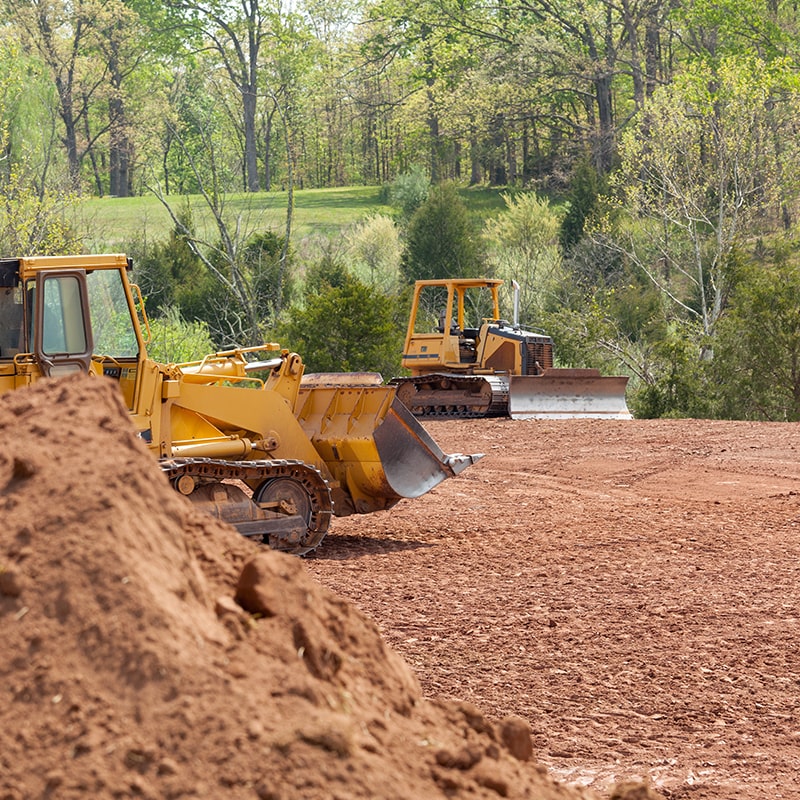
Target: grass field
[{"x": 110, "y": 224}]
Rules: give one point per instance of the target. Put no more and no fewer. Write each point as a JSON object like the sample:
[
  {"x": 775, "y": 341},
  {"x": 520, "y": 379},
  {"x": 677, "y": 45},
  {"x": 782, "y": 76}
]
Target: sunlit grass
[{"x": 111, "y": 224}]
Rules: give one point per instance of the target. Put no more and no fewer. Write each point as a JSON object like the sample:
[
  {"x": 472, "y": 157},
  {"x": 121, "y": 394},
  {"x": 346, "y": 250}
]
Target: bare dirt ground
[
  {"x": 149, "y": 651},
  {"x": 629, "y": 588}
]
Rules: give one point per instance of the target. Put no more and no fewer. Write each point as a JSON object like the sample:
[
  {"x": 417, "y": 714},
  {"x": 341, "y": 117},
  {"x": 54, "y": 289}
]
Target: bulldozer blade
[
  {"x": 412, "y": 461},
  {"x": 568, "y": 394}
]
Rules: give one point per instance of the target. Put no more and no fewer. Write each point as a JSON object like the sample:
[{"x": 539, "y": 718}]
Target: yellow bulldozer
[
  {"x": 237, "y": 432},
  {"x": 465, "y": 361}
]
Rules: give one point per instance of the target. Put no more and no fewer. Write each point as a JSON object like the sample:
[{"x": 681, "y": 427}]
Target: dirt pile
[{"x": 150, "y": 652}]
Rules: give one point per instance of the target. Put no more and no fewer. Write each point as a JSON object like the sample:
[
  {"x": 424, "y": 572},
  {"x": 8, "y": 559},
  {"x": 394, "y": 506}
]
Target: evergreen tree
[
  {"x": 441, "y": 240},
  {"x": 582, "y": 198}
]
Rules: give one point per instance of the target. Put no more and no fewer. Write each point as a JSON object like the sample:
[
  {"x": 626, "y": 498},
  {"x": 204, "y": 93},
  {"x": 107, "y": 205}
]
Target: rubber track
[{"x": 210, "y": 470}]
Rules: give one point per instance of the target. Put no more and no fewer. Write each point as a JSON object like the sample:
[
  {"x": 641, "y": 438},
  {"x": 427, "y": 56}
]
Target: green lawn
[{"x": 109, "y": 224}]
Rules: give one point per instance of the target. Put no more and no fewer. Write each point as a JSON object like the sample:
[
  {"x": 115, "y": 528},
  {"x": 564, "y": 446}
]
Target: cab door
[{"x": 62, "y": 331}]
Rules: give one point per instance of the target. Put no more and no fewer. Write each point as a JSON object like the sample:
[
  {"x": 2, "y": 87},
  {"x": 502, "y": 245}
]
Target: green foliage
[
  {"x": 581, "y": 201},
  {"x": 408, "y": 191},
  {"x": 344, "y": 325},
  {"x": 720, "y": 28},
  {"x": 588, "y": 333},
  {"x": 271, "y": 279},
  {"x": 523, "y": 246},
  {"x": 677, "y": 382},
  {"x": 376, "y": 248},
  {"x": 235, "y": 299},
  {"x": 702, "y": 170},
  {"x": 591, "y": 263},
  {"x": 31, "y": 222},
  {"x": 189, "y": 135},
  {"x": 441, "y": 240},
  {"x": 175, "y": 340},
  {"x": 756, "y": 366},
  {"x": 169, "y": 273}
]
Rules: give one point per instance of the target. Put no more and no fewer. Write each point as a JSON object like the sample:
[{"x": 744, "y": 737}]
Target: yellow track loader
[
  {"x": 237, "y": 432},
  {"x": 465, "y": 361}
]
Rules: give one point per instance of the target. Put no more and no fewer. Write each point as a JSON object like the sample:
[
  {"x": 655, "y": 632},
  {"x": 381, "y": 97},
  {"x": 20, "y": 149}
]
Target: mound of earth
[{"x": 149, "y": 651}]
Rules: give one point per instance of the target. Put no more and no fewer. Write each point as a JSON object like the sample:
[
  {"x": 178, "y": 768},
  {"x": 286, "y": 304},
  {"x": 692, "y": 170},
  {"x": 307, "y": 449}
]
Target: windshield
[{"x": 112, "y": 323}]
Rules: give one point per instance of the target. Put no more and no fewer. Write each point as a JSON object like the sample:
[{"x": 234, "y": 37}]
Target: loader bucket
[
  {"x": 375, "y": 449},
  {"x": 412, "y": 462},
  {"x": 568, "y": 394}
]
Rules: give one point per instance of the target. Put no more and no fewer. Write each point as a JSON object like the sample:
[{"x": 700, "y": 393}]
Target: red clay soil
[
  {"x": 630, "y": 589},
  {"x": 148, "y": 651}
]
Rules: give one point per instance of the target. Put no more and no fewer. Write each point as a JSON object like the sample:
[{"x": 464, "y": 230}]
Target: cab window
[
  {"x": 63, "y": 324},
  {"x": 112, "y": 323}
]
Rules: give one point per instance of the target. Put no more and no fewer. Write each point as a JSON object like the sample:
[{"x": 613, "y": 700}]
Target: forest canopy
[{"x": 647, "y": 151}]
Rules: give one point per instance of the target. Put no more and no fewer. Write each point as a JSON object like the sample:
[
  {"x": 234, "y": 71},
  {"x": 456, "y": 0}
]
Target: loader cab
[{"x": 61, "y": 315}]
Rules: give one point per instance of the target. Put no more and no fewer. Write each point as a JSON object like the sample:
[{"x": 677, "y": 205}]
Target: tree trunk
[
  {"x": 70, "y": 136},
  {"x": 652, "y": 54},
  {"x": 433, "y": 133},
  {"x": 605, "y": 118},
  {"x": 119, "y": 142},
  {"x": 268, "y": 150},
  {"x": 632, "y": 31},
  {"x": 250, "y": 149},
  {"x": 498, "y": 176}
]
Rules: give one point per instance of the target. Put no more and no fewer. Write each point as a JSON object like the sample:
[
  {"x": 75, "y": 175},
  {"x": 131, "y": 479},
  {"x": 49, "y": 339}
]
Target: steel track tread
[
  {"x": 498, "y": 406},
  {"x": 218, "y": 470}
]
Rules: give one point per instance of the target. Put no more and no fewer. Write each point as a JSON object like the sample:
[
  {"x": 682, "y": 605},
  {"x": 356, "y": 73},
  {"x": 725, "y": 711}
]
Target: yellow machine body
[
  {"x": 465, "y": 360},
  {"x": 343, "y": 445}
]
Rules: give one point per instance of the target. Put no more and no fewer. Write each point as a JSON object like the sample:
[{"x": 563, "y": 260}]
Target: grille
[{"x": 540, "y": 352}]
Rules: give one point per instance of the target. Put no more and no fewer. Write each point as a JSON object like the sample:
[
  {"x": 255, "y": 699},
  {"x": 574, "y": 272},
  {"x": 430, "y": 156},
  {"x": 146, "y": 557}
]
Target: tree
[
  {"x": 441, "y": 241},
  {"x": 524, "y": 241},
  {"x": 233, "y": 36},
  {"x": 376, "y": 247},
  {"x": 247, "y": 288},
  {"x": 703, "y": 169},
  {"x": 32, "y": 216},
  {"x": 119, "y": 34},
  {"x": 237, "y": 35},
  {"x": 756, "y": 367},
  {"x": 581, "y": 201},
  {"x": 62, "y": 35},
  {"x": 409, "y": 190},
  {"x": 170, "y": 274},
  {"x": 33, "y": 222},
  {"x": 344, "y": 325}
]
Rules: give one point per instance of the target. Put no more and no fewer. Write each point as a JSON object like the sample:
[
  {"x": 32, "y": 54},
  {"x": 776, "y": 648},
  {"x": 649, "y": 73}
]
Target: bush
[
  {"x": 344, "y": 325},
  {"x": 175, "y": 340},
  {"x": 524, "y": 247},
  {"x": 409, "y": 190},
  {"x": 375, "y": 245},
  {"x": 441, "y": 240}
]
